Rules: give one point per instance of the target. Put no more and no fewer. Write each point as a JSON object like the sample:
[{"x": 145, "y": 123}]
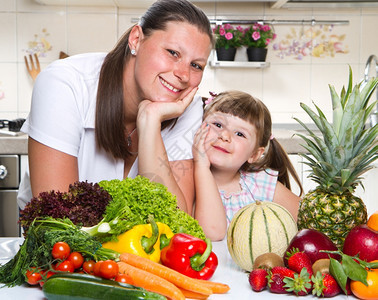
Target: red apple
[
  {"x": 311, "y": 241},
  {"x": 363, "y": 241}
]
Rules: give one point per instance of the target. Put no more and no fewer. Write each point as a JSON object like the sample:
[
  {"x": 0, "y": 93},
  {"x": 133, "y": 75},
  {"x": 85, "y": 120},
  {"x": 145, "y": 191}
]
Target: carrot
[
  {"x": 216, "y": 287},
  {"x": 171, "y": 275},
  {"x": 193, "y": 295},
  {"x": 150, "y": 281}
]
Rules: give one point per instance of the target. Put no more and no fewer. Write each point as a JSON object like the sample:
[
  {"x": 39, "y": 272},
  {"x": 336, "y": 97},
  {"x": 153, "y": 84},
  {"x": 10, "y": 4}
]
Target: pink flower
[
  {"x": 239, "y": 28},
  {"x": 256, "y": 35},
  {"x": 229, "y": 36},
  {"x": 227, "y": 26},
  {"x": 222, "y": 31},
  {"x": 274, "y": 36},
  {"x": 267, "y": 41},
  {"x": 255, "y": 26},
  {"x": 266, "y": 28}
]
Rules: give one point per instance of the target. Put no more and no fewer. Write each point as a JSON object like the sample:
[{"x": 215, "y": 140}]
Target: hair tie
[
  {"x": 271, "y": 137},
  {"x": 211, "y": 98}
]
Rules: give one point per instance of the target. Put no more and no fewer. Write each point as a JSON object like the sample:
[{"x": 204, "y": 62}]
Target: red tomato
[
  {"x": 76, "y": 259},
  {"x": 46, "y": 275},
  {"x": 33, "y": 276},
  {"x": 88, "y": 266},
  {"x": 109, "y": 269},
  {"x": 61, "y": 250},
  {"x": 65, "y": 266},
  {"x": 123, "y": 278},
  {"x": 96, "y": 269}
]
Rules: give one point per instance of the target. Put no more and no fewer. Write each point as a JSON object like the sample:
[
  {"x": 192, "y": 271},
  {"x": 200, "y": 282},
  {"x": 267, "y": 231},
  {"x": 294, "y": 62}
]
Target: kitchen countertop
[
  {"x": 13, "y": 144},
  {"x": 227, "y": 272},
  {"x": 286, "y": 136}
]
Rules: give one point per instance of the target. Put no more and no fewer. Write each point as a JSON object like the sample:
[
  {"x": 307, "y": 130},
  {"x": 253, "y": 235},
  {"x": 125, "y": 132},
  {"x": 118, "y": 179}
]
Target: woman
[{"x": 99, "y": 117}]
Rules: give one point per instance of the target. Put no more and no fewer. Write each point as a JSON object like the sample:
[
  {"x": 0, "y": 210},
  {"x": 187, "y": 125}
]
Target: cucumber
[
  {"x": 89, "y": 277},
  {"x": 87, "y": 287}
]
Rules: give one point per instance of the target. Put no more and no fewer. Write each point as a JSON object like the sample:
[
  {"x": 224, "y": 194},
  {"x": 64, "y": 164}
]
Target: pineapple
[{"x": 337, "y": 161}]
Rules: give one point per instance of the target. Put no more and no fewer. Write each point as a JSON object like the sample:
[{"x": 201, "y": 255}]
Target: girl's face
[
  {"x": 169, "y": 63},
  {"x": 231, "y": 142}
]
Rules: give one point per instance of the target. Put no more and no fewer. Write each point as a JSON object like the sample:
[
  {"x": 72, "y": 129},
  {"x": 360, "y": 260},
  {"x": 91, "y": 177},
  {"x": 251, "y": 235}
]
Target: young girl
[{"x": 237, "y": 161}]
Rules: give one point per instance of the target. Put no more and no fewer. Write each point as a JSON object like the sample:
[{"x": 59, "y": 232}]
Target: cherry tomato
[
  {"x": 88, "y": 266},
  {"x": 33, "y": 276},
  {"x": 109, "y": 269},
  {"x": 123, "y": 278},
  {"x": 46, "y": 275},
  {"x": 96, "y": 269},
  {"x": 65, "y": 266},
  {"x": 61, "y": 250},
  {"x": 76, "y": 259}
]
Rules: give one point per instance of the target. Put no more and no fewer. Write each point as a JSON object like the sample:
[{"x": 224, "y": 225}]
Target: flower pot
[
  {"x": 256, "y": 54},
  {"x": 226, "y": 54}
]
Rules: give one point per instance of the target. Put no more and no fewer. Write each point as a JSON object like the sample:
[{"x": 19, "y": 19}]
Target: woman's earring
[{"x": 133, "y": 52}]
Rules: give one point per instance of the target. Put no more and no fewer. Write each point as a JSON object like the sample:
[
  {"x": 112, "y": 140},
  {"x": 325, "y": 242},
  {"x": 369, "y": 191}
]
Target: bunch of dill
[{"x": 40, "y": 239}]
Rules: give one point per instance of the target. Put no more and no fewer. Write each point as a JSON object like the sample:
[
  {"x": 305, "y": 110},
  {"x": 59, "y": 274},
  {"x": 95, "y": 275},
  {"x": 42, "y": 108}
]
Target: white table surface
[{"x": 227, "y": 272}]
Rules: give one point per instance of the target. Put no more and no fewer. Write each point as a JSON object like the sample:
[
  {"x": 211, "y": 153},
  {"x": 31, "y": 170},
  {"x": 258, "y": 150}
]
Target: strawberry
[
  {"x": 347, "y": 287},
  {"x": 300, "y": 284},
  {"x": 297, "y": 260},
  {"x": 276, "y": 278},
  {"x": 325, "y": 285},
  {"x": 258, "y": 279}
]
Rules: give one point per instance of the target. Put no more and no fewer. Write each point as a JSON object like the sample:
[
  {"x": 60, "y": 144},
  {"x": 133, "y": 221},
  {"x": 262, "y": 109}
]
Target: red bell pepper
[{"x": 190, "y": 256}]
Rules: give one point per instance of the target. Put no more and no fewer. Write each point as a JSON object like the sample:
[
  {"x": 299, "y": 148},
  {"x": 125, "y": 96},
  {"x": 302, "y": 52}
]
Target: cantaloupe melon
[{"x": 259, "y": 228}]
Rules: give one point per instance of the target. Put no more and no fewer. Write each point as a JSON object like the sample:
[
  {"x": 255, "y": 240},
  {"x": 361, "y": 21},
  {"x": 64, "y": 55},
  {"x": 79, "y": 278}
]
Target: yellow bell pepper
[{"x": 145, "y": 240}]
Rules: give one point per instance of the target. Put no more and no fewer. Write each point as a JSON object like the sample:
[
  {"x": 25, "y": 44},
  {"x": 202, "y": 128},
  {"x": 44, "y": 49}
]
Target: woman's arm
[
  {"x": 286, "y": 198},
  {"x": 50, "y": 169},
  {"x": 152, "y": 156},
  {"x": 209, "y": 210}
]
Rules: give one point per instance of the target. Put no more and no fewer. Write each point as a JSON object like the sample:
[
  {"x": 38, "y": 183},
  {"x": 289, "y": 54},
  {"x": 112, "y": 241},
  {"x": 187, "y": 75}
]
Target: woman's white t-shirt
[{"x": 62, "y": 116}]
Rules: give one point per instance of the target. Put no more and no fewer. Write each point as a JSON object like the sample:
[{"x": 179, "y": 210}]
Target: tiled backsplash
[{"x": 297, "y": 72}]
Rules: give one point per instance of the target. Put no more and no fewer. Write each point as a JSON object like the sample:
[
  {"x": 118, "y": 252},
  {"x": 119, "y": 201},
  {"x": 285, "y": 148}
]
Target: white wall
[{"x": 25, "y": 23}]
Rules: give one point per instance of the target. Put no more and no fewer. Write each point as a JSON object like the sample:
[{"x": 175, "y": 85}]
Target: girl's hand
[
  {"x": 199, "y": 146},
  {"x": 165, "y": 110}
]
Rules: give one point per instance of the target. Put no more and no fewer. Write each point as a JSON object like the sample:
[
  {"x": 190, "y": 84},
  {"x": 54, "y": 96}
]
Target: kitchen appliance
[
  {"x": 9, "y": 182},
  {"x": 11, "y": 127}
]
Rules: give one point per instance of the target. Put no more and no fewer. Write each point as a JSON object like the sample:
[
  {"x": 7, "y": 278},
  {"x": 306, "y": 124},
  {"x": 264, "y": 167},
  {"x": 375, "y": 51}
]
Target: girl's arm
[
  {"x": 153, "y": 162},
  {"x": 209, "y": 210},
  {"x": 50, "y": 169},
  {"x": 287, "y": 199}
]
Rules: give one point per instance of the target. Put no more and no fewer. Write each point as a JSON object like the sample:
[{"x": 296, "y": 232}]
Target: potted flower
[
  {"x": 228, "y": 39},
  {"x": 257, "y": 38}
]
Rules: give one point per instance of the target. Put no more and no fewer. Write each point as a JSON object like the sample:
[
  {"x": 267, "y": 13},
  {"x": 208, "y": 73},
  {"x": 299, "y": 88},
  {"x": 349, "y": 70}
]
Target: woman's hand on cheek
[{"x": 166, "y": 110}]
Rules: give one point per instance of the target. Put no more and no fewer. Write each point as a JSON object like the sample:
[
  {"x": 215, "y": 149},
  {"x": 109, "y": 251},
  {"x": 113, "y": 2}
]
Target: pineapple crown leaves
[{"x": 346, "y": 148}]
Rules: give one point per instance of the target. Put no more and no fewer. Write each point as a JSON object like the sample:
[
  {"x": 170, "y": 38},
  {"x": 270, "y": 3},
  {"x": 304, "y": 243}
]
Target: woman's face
[{"x": 169, "y": 63}]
